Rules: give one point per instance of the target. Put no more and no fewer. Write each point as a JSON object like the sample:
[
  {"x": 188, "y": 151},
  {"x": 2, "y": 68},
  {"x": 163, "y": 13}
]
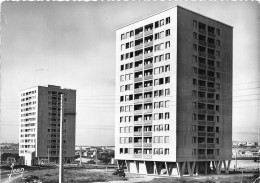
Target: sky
[{"x": 72, "y": 45}]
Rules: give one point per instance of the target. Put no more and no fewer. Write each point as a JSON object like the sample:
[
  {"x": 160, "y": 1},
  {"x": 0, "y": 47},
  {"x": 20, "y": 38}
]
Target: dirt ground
[{"x": 94, "y": 174}]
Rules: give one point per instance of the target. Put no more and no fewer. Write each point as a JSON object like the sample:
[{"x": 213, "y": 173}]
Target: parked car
[{"x": 120, "y": 172}]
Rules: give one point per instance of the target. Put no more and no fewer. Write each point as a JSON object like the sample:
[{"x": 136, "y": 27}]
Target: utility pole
[
  {"x": 61, "y": 153},
  {"x": 80, "y": 154},
  {"x": 48, "y": 155}
]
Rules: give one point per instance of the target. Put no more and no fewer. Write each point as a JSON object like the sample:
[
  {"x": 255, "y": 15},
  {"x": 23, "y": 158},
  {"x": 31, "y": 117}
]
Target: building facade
[
  {"x": 39, "y": 130},
  {"x": 174, "y": 94}
]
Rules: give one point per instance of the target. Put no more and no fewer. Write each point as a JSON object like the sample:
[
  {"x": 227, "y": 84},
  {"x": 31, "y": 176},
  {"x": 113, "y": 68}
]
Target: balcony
[
  {"x": 149, "y": 43},
  {"x": 148, "y": 156},
  {"x": 139, "y": 68},
  {"x": 211, "y": 89},
  {"x": 138, "y": 100},
  {"x": 202, "y": 145},
  {"x": 211, "y": 45},
  {"x": 149, "y": 88},
  {"x": 211, "y": 123},
  {"x": 150, "y": 99},
  {"x": 139, "y": 35},
  {"x": 146, "y": 55},
  {"x": 202, "y": 77},
  {"x": 202, "y": 31},
  {"x": 211, "y": 145},
  {"x": 138, "y": 47},
  {"x": 203, "y": 66},
  {"x": 137, "y": 122},
  {"x": 138, "y": 79},
  {"x": 202, "y": 111},
  {"x": 147, "y": 145},
  {"x": 211, "y": 68},
  {"x": 211, "y": 78},
  {"x": 201, "y": 156},
  {"x": 148, "y": 111},
  {"x": 148, "y": 32},
  {"x": 202, "y": 54},
  {"x": 148, "y": 66},
  {"x": 137, "y": 155},
  {"x": 138, "y": 144},
  {"x": 202, "y": 134},
  {"x": 203, "y": 43},
  {"x": 148, "y": 134},
  {"x": 211, "y": 56},
  {"x": 211, "y": 156},
  {"x": 201, "y": 100},
  {"x": 138, "y": 57},
  {"x": 137, "y": 133},
  {"x": 148, "y": 77},
  {"x": 148, "y": 122},
  {"x": 201, "y": 122},
  {"x": 202, "y": 88},
  {"x": 137, "y": 90},
  {"x": 138, "y": 112},
  {"x": 211, "y": 34},
  {"x": 211, "y": 112},
  {"x": 210, "y": 134},
  {"x": 212, "y": 101}
]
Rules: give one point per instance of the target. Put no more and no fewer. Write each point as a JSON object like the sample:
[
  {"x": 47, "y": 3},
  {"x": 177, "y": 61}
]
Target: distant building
[
  {"x": 39, "y": 131},
  {"x": 174, "y": 94}
]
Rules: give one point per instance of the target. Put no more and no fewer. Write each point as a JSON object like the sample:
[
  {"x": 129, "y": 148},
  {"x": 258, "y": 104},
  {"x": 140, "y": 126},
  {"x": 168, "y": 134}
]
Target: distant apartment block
[
  {"x": 39, "y": 132},
  {"x": 174, "y": 94}
]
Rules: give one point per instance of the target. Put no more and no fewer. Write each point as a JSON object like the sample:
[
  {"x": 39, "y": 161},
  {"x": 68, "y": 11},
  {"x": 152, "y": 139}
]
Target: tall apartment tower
[
  {"x": 174, "y": 94},
  {"x": 39, "y": 133}
]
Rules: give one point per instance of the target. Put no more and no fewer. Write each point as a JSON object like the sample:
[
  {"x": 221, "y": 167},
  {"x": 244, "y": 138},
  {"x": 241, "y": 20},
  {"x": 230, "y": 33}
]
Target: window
[
  {"x": 167, "y": 102},
  {"x": 167, "y": 44},
  {"x": 156, "y": 139},
  {"x": 122, "y": 47},
  {"x": 218, "y": 42},
  {"x": 166, "y": 139},
  {"x": 160, "y": 139},
  {"x": 167, "y": 80},
  {"x": 121, "y": 130},
  {"x": 156, "y": 151},
  {"x": 156, "y": 82},
  {"x": 122, "y": 67},
  {"x": 167, "y": 115},
  {"x": 167, "y": 32},
  {"x": 121, "y": 140},
  {"x": 131, "y": 33},
  {"x": 194, "y": 82},
  {"x": 156, "y": 116},
  {"x": 217, "y": 140},
  {"x": 166, "y": 151},
  {"x": 122, "y": 36},
  {"x": 167, "y": 68},
  {"x": 156, "y": 70},
  {"x": 194, "y": 151},
  {"x": 167, "y": 92},
  {"x": 194, "y": 140},
  {"x": 161, "y": 22},
  {"x": 194, "y": 23},
  {"x": 167, "y": 56},
  {"x": 194, "y": 35},
  {"x": 194, "y": 128},
  {"x": 194, "y": 116},
  {"x": 167, "y": 127},
  {"x": 194, "y": 47},
  {"x": 168, "y": 20},
  {"x": 218, "y": 32},
  {"x": 195, "y": 59}
]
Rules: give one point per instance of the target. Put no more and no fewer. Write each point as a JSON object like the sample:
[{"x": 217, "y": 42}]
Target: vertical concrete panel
[{"x": 142, "y": 168}]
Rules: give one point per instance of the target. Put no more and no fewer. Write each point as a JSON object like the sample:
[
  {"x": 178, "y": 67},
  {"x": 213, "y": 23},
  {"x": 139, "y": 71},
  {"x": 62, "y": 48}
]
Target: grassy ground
[{"x": 72, "y": 175}]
